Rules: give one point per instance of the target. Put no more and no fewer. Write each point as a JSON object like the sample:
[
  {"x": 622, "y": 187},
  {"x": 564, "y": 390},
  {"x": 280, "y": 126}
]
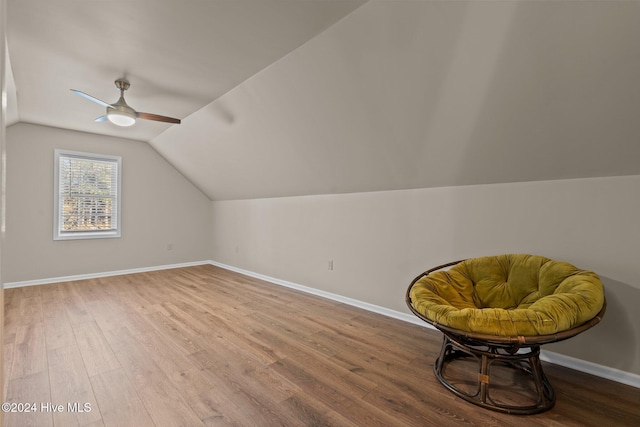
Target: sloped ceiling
[
  {"x": 394, "y": 95},
  {"x": 179, "y": 55}
]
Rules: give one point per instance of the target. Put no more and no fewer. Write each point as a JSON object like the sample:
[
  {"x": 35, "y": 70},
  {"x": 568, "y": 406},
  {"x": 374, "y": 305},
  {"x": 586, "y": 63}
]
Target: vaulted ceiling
[
  {"x": 178, "y": 55},
  {"x": 298, "y": 97}
]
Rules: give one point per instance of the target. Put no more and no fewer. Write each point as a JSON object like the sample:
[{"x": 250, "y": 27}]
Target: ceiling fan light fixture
[
  {"x": 121, "y": 118},
  {"x": 120, "y": 113}
]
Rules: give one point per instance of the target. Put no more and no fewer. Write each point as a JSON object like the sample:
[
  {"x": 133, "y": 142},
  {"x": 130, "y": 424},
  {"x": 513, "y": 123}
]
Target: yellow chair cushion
[{"x": 509, "y": 295}]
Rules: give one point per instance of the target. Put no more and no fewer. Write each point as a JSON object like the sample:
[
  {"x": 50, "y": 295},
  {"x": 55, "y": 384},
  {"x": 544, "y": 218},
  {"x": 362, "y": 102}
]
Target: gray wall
[
  {"x": 380, "y": 241},
  {"x": 159, "y": 207}
]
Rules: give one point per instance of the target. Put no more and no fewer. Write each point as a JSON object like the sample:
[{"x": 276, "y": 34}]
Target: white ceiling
[
  {"x": 179, "y": 55},
  {"x": 299, "y": 97}
]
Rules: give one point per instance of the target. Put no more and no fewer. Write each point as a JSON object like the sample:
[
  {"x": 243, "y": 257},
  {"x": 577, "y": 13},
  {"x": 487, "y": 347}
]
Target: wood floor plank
[
  {"x": 30, "y": 309},
  {"x": 30, "y": 351},
  {"x": 71, "y": 389},
  {"x": 74, "y": 304},
  {"x": 333, "y": 395},
  {"x": 171, "y": 330},
  {"x": 187, "y": 317},
  {"x": 206, "y": 346},
  {"x": 29, "y": 389},
  {"x": 163, "y": 401},
  {"x": 238, "y": 405},
  {"x": 8, "y": 357},
  {"x": 312, "y": 412},
  {"x": 96, "y": 351},
  {"x": 240, "y": 368},
  {"x": 196, "y": 384},
  {"x": 57, "y": 328},
  {"x": 168, "y": 356},
  {"x": 108, "y": 313},
  {"x": 120, "y": 405},
  {"x": 11, "y": 309}
]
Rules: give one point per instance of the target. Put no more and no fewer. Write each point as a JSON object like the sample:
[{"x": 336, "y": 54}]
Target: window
[{"x": 87, "y": 196}]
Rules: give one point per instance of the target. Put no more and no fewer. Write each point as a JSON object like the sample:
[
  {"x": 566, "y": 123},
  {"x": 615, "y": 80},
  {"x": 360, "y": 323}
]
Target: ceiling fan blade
[
  {"x": 90, "y": 98},
  {"x": 158, "y": 118},
  {"x": 102, "y": 119}
]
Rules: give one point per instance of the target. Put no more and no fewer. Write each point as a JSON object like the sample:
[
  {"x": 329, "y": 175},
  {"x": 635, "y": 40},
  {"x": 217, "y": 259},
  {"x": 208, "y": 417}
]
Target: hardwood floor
[{"x": 205, "y": 346}]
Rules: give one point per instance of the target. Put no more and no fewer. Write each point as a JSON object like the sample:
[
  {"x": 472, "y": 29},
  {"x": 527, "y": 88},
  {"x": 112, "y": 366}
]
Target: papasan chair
[{"x": 498, "y": 311}]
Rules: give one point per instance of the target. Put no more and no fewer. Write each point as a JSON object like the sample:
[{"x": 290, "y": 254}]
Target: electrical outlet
[
  {"x": 330, "y": 265},
  {"x": 169, "y": 246}
]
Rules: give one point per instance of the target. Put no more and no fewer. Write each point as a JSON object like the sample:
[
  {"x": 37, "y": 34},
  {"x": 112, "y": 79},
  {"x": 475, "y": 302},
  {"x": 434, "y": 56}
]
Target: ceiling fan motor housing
[{"x": 120, "y": 113}]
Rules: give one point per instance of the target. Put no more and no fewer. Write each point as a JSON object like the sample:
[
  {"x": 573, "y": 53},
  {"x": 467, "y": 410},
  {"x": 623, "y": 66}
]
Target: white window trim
[{"x": 75, "y": 235}]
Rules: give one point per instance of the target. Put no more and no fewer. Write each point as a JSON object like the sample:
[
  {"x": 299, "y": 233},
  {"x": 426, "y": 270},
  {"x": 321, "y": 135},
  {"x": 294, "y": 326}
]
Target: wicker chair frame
[{"x": 518, "y": 352}]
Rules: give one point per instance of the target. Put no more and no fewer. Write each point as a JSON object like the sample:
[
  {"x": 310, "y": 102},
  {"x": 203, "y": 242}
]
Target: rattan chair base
[{"x": 523, "y": 358}]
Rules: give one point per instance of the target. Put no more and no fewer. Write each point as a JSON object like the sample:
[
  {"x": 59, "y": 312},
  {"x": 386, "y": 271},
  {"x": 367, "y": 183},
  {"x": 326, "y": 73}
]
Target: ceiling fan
[{"x": 120, "y": 113}]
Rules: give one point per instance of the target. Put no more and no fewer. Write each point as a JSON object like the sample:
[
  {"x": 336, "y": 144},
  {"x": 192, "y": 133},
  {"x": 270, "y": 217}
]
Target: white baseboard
[
  {"x": 340, "y": 298},
  {"x": 9, "y": 285},
  {"x": 602, "y": 371}
]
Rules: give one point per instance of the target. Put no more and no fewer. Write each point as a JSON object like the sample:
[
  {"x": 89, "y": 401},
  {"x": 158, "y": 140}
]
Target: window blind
[{"x": 87, "y": 198}]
